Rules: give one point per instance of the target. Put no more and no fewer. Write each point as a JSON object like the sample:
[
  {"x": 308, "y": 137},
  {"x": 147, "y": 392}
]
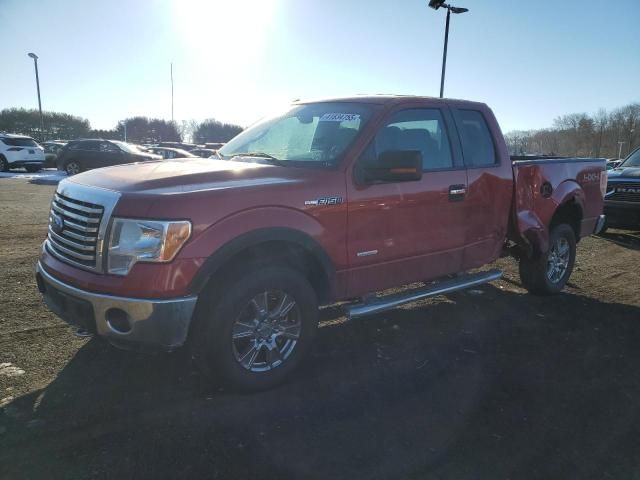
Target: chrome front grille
[
  {"x": 623, "y": 192},
  {"x": 78, "y": 223},
  {"x": 73, "y": 229}
]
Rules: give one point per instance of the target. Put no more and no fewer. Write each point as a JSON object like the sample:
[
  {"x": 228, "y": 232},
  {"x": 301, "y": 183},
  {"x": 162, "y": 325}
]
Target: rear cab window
[
  {"x": 20, "y": 142},
  {"x": 478, "y": 148}
]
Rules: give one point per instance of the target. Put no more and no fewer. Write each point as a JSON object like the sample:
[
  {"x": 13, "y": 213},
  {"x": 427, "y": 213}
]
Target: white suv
[{"x": 18, "y": 151}]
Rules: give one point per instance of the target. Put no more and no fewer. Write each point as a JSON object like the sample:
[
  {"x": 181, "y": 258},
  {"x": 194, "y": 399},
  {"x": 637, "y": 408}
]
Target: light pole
[
  {"x": 171, "y": 92},
  {"x": 436, "y": 4},
  {"x": 35, "y": 63}
]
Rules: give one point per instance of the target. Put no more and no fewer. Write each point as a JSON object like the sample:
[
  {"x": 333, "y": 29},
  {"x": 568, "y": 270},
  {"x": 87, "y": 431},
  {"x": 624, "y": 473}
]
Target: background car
[
  {"x": 51, "y": 150},
  {"x": 214, "y": 146},
  {"x": 80, "y": 155},
  {"x": 170, "y": 153},
  {"x": 613, "y": 163},
  {"x": 182, "y": 145},
  {"x": 203, "y": 152},
  {"x": 20, "y": 151}
]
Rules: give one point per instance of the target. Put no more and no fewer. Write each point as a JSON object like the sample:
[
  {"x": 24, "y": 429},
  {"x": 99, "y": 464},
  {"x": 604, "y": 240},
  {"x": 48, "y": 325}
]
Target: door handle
[{"x": 457, "y": 192}]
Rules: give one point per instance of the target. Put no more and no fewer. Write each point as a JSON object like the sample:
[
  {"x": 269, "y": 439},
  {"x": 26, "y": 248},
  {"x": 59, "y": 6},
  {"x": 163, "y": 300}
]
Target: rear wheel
[
  {"x": 4, "y": 165},
  {"x": 72, "y": 167},
  {"x": 252, "y": 334},
  {"x": 548, "y": 273}
]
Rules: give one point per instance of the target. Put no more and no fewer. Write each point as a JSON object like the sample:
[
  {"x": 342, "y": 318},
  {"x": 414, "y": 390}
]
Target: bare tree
[{"x": 580, "y": 134}]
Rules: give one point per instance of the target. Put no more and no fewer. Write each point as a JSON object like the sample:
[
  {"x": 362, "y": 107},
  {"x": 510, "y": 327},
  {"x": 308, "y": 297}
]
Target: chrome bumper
[
  {"x": 124, "y": 321},
  {"x": 599, "y": 224}
]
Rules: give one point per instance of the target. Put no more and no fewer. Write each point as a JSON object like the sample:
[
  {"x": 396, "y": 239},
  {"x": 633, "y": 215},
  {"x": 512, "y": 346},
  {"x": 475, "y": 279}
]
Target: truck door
[
  {"x": 402, "y": 232},
  {"x": 490, "y": 185}
]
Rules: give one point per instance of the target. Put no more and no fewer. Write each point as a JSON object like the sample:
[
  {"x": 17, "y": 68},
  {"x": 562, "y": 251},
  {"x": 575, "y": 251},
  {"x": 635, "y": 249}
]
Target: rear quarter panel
[{"x": 571, "y": 180}]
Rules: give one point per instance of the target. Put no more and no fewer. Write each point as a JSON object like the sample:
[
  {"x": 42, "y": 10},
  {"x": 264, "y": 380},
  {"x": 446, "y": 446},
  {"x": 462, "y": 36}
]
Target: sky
[{"x": 238, "y": 60}]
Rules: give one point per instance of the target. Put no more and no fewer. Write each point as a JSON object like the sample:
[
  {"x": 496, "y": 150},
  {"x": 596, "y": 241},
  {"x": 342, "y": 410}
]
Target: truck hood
[
  {"x": 623, "y": 173},
  {"x": 186, "y": 175}
]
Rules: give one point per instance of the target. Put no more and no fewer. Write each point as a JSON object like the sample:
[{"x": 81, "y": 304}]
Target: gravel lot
[{"x": 491, "y": 383}]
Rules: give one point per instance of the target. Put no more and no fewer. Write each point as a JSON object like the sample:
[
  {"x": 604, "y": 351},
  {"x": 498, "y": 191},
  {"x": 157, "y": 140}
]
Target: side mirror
[{"x": 394, "y": 166}]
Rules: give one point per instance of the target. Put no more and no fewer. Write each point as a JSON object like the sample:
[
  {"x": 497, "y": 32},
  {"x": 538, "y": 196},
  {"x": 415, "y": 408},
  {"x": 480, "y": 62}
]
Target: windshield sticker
[{"x": 340, "y": 117}]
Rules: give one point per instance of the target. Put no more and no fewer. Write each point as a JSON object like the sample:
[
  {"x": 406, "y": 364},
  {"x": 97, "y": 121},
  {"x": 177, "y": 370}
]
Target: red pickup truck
[{"x": 328, "y": 201}]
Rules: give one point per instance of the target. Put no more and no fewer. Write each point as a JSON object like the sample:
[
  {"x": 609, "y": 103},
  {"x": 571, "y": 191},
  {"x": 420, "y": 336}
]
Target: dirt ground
[{"x": 487, "y": 384}]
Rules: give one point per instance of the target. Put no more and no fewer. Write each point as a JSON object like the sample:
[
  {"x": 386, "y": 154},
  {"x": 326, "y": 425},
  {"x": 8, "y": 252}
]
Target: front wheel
[
  {"x": 547, "y": 273},
  {"x": 253, "y": 333},
  {"x": 4, "y": 165}
]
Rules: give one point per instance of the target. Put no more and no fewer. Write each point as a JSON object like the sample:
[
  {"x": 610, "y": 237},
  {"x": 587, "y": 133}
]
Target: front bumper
[
  {"x": 624, "y": 214},
  {"x": 27, "y": 163},
  {"x": 128, "y": 322}
]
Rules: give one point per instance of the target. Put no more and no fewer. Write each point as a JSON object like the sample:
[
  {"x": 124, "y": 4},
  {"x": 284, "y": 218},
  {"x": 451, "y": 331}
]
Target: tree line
[
  {"x": 604, "y": 134},
  {"x": 138, "y": 129}
]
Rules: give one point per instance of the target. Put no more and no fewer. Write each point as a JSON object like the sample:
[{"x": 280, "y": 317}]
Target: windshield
[
  {"x": 311, "y": 134},
  {"x": 128, "y": 147},
  {"x": 632, "y": 160}
]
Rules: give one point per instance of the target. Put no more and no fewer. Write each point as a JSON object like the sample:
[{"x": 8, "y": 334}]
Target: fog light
[{"x": 118, "y": 320}]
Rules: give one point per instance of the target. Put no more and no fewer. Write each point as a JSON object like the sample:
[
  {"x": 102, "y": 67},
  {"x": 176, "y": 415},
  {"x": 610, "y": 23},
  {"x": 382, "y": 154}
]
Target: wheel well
[
  {"x": 282, "y": 252},
  {"x": 570, "y": 213}
]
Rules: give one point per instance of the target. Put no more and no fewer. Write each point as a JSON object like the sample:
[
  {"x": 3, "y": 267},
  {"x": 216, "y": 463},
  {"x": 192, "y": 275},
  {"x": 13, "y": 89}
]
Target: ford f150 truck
[{"x": 328, "y": 201}]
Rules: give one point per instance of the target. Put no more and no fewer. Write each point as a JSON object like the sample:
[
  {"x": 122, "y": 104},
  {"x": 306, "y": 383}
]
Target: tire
[
  {"x": 72, "y": 167},
  {"x": 4, "y": 165},
  {"x": 31, "y": 169},
  {"x": 268, "y": 346},
  {"x": 548, "y": 273}
]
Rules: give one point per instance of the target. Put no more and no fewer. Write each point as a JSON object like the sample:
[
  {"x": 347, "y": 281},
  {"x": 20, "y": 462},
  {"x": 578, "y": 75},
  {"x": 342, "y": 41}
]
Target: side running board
[{"x": 388, "y": 302}]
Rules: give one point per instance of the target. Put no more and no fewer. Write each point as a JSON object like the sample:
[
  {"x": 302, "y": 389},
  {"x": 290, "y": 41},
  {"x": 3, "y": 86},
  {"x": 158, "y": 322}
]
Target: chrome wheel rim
[
  {"x": 266, "y": 331},
  {"x": 558, "y": 260},
  {"x": 73, "y": 168}
]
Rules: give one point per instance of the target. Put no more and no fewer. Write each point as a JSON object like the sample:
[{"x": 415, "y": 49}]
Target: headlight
[{"x": 134, "y": 241}]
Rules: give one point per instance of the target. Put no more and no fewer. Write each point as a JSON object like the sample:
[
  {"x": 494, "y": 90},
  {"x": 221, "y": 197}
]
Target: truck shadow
[
  {"x": 494, "y": 384},
  {"x": 624, "y": 238}
]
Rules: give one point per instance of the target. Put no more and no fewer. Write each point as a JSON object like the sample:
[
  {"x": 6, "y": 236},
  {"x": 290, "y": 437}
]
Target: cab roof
[{"x": 382, "y": 99}]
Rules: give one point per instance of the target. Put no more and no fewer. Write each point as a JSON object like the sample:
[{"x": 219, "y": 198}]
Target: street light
[
  {"x": 436, "y": 4},
  {"x": 35, "y": 63}
]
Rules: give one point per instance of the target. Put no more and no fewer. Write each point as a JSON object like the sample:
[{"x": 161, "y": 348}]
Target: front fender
[{"x": 231, "y": 235}]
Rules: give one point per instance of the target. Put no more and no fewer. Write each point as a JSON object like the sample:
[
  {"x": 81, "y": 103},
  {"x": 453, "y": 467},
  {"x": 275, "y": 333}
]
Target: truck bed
[{"x": 543, "y": 185}]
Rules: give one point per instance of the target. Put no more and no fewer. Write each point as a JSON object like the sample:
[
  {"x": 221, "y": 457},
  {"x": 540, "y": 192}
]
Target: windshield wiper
[{"x": 270, "y": 158}]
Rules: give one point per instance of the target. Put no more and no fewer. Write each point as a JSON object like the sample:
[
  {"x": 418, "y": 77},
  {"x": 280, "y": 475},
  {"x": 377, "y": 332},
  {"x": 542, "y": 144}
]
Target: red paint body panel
[
  {"x": 570, "y": 180},
  {"x": 145, "y": 280},
  {"x": 416, "y": 231}
]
